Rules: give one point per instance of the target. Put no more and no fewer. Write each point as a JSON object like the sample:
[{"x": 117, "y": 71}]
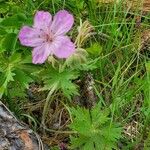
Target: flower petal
[
  {"x": 62, "y": 22},
  {"x": 40, "y": 54},
  {"x": 42, "y": 20},
  {"x": 30, "y": 37},
  {"x": 65, "y": 49}
]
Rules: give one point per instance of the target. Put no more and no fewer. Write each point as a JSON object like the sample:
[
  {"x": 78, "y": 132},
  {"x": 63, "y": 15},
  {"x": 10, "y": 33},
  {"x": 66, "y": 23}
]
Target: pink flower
[{"x": 47, "y": 36}]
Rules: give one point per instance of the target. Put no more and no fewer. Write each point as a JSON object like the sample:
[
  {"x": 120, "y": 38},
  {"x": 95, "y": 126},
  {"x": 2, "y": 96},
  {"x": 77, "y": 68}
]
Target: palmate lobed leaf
[
  {"x": 94, "y": 129},
  {"x": 63, "y": 80},
  {"x": 23, "y": 78},
  {"x": 81, "y": 124},
  {"x": 6, "y": 77},
  {"x": 12, "y": 72}
]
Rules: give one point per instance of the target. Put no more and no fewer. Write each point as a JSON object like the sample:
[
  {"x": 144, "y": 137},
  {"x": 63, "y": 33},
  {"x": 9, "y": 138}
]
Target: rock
[{"x": 15, "y": 135}]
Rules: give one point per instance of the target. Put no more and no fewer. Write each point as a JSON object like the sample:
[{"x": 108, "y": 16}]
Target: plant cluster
[{"x": 55, "y": 45}]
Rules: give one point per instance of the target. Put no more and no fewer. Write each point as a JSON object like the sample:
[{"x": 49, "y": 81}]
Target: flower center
[{"x": 49, "y": 38}]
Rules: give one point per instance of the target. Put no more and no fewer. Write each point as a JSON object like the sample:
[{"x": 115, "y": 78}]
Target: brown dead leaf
[
  {"x": 146, "y": 5},
  {"x": 134, "y": 5},
  {"x": 144, "y": 40},
  {"x": 141, "y": 5}
]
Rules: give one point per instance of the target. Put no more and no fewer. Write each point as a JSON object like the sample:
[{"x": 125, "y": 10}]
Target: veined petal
[
  {"x": 30, "y": 37},
  {"x": 65, "y": 49},
  {"x": 42, "y": 20},
  {"x": 40, "y": 54},
  {"x": 62, "y": 22}
]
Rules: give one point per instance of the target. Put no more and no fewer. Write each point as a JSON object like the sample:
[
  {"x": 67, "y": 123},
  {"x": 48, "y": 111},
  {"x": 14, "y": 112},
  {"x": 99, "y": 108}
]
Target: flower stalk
[{"x": 47, "y": 103}]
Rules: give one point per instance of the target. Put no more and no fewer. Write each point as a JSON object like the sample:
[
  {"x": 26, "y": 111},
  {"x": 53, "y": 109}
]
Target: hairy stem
[{"x": 47, "y": 103}]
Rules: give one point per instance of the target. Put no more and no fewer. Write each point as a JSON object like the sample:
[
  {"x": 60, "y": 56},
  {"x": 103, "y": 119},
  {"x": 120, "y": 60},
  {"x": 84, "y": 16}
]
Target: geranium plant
[{"x": 48, "y": 38}]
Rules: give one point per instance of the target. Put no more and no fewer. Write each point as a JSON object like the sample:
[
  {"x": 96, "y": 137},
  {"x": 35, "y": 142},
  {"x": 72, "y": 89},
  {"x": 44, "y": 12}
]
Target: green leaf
[
  {"x": 89, "y": 65},
  {"x": 2, "y": 31},
  {"x": 15, "y": 58},
  {"x": 94, "y": 129},
  {"x": 23, "y": 78},
  {"x": 9, "y": 42},
  {"x": 77, "y": 113},
  {"x": 16, "y": 90},
  {"x": 7, "y": 76},
  {"x": 3, "y": 7},
  {"x": 95, "y": 49},
  {"x": 89, "y": 145},
  {"x": 52, "y": 76},
  {"x": 14, "y": 74},
  {"x": 15, "y": 21}
]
